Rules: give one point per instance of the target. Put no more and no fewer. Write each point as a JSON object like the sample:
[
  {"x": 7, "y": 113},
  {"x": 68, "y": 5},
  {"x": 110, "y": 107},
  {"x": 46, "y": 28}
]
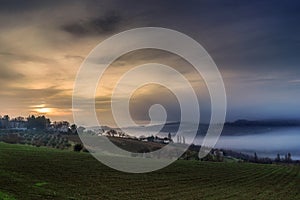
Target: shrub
[{"x": 78, "y": 147}]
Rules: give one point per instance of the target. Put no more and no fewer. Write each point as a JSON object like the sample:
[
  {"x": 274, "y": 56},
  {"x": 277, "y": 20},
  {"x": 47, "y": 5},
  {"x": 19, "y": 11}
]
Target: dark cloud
[
  {"x": 141, "y": 103},
  {"x": 9, "y": 74},
  {"x": 100, "y": 25},
  {"x": 255, "y": 42},
  {"x": 143, "y": 56},
  {"x": 30, "y": 94},
  {"x": 20, "y": 5}
]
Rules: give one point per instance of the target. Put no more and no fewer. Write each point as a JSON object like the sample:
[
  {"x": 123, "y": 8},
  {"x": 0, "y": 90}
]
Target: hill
[
  {"x": 236, "y": 128},
  {"x": 42, "y": 173}
]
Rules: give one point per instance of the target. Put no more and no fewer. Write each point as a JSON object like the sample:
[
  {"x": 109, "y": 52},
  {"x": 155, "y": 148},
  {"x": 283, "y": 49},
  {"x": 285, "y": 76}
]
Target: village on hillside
[{"x": 40, "y": 131}]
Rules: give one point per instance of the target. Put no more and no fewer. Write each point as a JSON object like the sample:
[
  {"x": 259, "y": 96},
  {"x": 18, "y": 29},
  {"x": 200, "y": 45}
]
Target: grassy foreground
[{"x": 41, "y": 173}]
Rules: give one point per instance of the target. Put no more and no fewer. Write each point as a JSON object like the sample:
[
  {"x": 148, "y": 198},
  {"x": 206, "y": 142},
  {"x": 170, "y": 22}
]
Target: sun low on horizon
[
  {"x": 160, "y": 99},
  {"x": 41, "y": 53}
]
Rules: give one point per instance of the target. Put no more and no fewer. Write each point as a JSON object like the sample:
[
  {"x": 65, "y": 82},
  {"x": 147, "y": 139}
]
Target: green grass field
[{"x": 41, "y": 173}]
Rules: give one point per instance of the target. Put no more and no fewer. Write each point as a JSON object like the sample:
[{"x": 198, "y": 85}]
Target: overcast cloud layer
[{"x": 255, "y": 44}]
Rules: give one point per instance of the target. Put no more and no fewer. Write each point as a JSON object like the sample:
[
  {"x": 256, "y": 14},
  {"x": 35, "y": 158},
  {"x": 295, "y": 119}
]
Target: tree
[
  {"x": 112, "y": 132},
  {"x": 20, "y": 118},
  {"x": 208, "y": 157},
  {"x": 73, "y": 129},
  {"x": 78, "y": 147},
  {"x": 6, "y": 117},
  {"x": 4, "y": 122},
  {"x": 121, "y": 134},
  {"x": 40, "y": 122},
  {"x": 255, "y": 158},
  {"x": 170, "y": 137},
  {"x": 278, "y": 159},
  {"x": 288, "y": 158},
  {"x": 219, "y": 156},
  {"x": 150, "y": 138}
]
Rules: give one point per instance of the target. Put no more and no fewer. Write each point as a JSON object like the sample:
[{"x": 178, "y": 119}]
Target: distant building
[
  {"x": 158, "y": 140},
  {"x": 217, "y": 152},
  {"x": 4, "y": 122},
  {"x": 62, "y": 126},
  {"x": 165, "y": 140},
  {"x": 18, "y": 124}
]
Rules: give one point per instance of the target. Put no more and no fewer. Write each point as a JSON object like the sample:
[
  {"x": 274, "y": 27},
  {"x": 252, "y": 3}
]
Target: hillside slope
[{"x": 42, "y": 173}]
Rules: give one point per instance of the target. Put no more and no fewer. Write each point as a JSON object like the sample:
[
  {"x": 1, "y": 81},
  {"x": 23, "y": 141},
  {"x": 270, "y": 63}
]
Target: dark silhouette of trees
[
  {"x": 208, "y": 157},
  {"x": 255, "y": 158},
  {"x": 288, "y": 158},
  {"x": 4, "y": 122},
  {"x": 40, "y": 122},
  {"x": 170, "y": 137},
  {"x": 150, "y": 138},
  {"x": 278, "y": 159},
  {"x": 112, "y": 132},
  {"x": 73, "y": 129},
  {"x": 12, "y": 138},
  {"x": 6, "y": 117},
  {"x": 78, "y": 147}
]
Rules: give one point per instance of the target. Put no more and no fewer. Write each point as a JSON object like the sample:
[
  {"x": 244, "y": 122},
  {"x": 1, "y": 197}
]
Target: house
[
  {"x": 18, "y": 124},
  {"x": 4, "y": 122},
  {"x": 217, "y": 152},
  {"x": 62, "y": 126}
]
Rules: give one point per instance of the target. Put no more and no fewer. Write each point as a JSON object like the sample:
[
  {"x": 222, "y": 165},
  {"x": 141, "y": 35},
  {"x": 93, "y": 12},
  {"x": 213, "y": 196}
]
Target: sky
[{"x": 255, "y": 44}]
